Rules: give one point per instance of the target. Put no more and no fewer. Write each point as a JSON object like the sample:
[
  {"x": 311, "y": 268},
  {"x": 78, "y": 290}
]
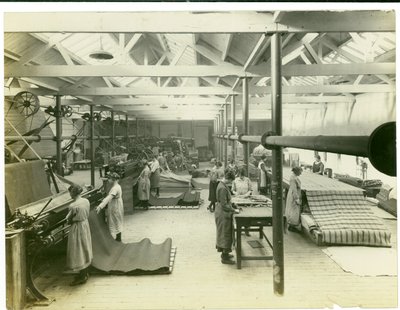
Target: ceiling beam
[
  {"x": 64, "y": 53},
  {"x": 161, "y": 100},
  {"x": 389, "y": 55},
  {"x": 196, "y": 91},
  {"x": 333, "y": 46},
  {"x": 228, "y": 41},
  {"x": 361, "y": 88},
  {"x": 261, "y": 45},
  {"x": 174, "y": 61},
  {"x": 186, "y": 22},
  {"x": 195, "y": 71},
  {"x": 312, "y": 52},
  {"x": 216, "y": 101},
  {"x": 126, "y": 91},
  {"x": 135, "y": 38}
]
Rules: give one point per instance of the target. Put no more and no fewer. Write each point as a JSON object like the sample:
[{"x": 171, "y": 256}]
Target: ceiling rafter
[
  {"x": 187, "y": 22},
  {"x": 197, "y": 91}
]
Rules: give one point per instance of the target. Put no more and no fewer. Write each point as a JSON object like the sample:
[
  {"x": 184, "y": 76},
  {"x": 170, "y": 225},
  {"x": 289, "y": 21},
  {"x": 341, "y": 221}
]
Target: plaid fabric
[{"x": 344, "y": 217}]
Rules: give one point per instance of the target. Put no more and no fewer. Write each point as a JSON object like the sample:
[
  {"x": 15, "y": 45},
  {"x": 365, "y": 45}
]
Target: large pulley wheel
[{"x": 26, "y": 103}]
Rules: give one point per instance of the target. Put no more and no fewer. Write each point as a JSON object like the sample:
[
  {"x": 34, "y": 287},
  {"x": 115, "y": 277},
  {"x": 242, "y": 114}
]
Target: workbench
[{"x": 253, "y": 219}]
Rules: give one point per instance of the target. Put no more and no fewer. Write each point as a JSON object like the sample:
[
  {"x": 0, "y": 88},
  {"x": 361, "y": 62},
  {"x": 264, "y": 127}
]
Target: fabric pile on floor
[
  {"x": 188, "y": 198},
  {"x": 136, "y": 258},
  {"x": 171, "y": 180}
]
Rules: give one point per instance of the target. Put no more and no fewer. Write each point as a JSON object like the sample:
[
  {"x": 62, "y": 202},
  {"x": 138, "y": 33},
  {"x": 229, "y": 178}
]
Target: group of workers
[
  {"x": 79, "y": 248},
  {"x": 223, "y": 184},
  {"x": 220, "y": 194}
]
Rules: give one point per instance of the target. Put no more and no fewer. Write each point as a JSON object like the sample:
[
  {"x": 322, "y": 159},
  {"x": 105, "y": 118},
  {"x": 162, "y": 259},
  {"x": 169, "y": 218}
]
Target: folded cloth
[{"x": 344, "y": 217}]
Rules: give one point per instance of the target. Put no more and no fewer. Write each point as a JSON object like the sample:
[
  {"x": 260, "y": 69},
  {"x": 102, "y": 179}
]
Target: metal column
[
  {"x": 276, "y": 186},
  {"x": 126, "y": 130},
  {"x": 215, "y": 138},
  {"x": 233, "y": 125},
  {"x": 221, "y": 132},
  {"x": 137, "y": 127},
  {"x": 245, "y": 121},
  {"x": 225, "y": 140},
  {"x": 112, "y": 134},
  {"x": 91, "y": 146},
  {"x": 218, "y": 140},
  {"x": 58, "y": 136}
]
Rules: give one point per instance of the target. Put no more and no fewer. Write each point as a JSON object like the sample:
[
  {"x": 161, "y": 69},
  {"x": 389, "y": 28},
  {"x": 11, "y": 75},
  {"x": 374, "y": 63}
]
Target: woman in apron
[
  {"x": 115, "y": 210},
  {"x": 293, "y": 201},
  {"x": 79, "y": 248},
  {"x": 144, "y": 185}
]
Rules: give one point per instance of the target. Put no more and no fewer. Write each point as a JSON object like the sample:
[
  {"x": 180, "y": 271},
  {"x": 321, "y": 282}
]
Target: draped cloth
[{"x": 141, "y": 257}]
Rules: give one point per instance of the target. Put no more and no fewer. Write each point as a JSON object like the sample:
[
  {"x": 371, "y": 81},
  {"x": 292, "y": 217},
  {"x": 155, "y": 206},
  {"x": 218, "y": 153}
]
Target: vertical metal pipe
[
  {"x": 192, "y": 130},
  {"x": 225, "y": 133},
  {"x": 137, "y": 127},
  {"x": 58, "y": 116},
  {"x": 276, "y": 186},
  {"x": 233, "y": 125},
  {"x": 91, "y": 146},
  {"x": 127, "y": 131},
  {"x": 215, "y": 139},
  {"x": 221, "y": 132},
  {"x": 245, "y": 121},
  {"x": 179, "y": 129},
  {"x": 112, "y": 134},
  {"x": 218, "y": 141}
]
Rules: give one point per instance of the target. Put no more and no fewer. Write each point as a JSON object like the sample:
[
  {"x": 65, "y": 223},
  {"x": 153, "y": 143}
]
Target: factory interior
[{"x": 227, "y": 159}]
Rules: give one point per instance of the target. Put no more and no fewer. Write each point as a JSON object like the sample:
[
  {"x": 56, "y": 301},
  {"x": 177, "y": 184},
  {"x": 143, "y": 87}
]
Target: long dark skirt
[
  {"x": 224, "y": 228},
  {"x": 212, "y": 193}
]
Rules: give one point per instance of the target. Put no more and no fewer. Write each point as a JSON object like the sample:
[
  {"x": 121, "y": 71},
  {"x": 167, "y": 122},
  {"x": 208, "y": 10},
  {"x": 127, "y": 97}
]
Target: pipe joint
[{"x": 264, "y": 140}]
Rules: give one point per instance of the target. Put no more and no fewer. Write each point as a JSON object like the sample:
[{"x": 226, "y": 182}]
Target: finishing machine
[{"x": 35, "y": 222}]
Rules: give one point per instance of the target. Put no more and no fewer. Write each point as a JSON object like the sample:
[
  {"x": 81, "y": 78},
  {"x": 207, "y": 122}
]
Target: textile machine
[{"x": 37, "y": 217}]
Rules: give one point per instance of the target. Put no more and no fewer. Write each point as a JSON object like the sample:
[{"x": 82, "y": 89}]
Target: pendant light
[{"x": 101, "y": 54}]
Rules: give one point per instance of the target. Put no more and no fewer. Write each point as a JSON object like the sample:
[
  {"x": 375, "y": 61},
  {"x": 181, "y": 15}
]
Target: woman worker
[
  {"x": 155, "y": 176},
  {"x": 79, "y": 248},
  {"x": 144, "y": 185},
  {"x": 318, "y": 166},
  {"x": 293, "y": 201},
  {"x": 115, "y": 210},
  {"x": 223, "y": 220},
  {"x": 242, "y": 186},
  {"x": 216, "y": 175}
]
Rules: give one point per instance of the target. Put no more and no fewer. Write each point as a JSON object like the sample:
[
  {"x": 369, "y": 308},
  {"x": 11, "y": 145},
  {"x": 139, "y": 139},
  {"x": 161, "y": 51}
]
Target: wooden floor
[{"x": 200, "y": 281}]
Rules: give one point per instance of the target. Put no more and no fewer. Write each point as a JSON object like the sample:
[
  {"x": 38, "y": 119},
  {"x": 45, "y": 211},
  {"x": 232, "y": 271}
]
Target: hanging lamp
[{"x": 101, "y": 54}]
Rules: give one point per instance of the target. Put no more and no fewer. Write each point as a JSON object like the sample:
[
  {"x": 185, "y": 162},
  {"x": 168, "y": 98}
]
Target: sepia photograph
[{"x": 199, "y": 156}]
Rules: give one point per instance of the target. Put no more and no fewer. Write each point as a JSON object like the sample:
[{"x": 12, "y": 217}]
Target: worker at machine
[
  {"x": 293, "y": 201},
  {"x": 232, "y": 166},
  {"x": 162, "y": 160},
  {"x": 216, "y": 174},
  {"x": 144, "y": 185},
  {"x": 318, "y": 166},
  {"x": 223, "y": 220},
  {"x": 155, "y": 176},
  {"x": 263, "y": 178},
  {"x": 241, "y": 186},
  {"x": 79, "y": 247},
  {"x": 115, "y": 209}
]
